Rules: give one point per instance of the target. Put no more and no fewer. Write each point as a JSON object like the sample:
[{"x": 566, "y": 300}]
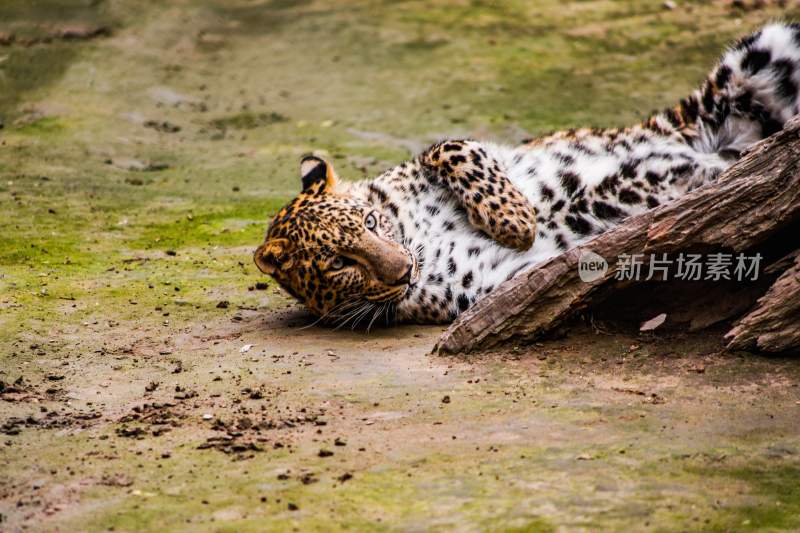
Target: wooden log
[
  {"x": 774, "y": 324},
  {"x": 751, "y": 202}
]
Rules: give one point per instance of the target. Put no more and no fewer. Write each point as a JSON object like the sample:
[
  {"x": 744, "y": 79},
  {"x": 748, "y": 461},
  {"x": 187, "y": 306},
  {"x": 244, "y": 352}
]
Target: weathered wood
[
  {"x": 774, "y": 325},
  {"x": 751, "y": 202}
]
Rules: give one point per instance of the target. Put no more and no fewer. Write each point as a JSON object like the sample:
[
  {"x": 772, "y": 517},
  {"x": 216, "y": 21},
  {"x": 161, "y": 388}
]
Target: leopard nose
[{"x": 406, "y": 279}]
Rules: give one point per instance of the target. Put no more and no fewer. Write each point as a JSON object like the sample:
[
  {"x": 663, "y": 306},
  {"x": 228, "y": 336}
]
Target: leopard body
[{"x": 472, "y": 215}]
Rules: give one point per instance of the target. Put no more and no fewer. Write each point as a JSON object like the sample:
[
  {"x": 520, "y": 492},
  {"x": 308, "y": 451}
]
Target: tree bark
[
  {"x": 754, "y": 203},
  {"x": 774, "y": 325}
]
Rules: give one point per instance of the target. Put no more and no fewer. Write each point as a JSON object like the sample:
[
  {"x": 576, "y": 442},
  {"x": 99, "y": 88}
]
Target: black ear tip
[
  {"x": 312, "y": 170},
  {"x": 309, "y": 163},
  {"x": 310, "y": 157}
]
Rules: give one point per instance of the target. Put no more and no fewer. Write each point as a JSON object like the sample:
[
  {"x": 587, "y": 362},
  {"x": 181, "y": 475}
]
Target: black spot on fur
[
  {"x": 435, "y": 279},
  {"x": 673, "y": 117},
  {"x": 578, "y": 224},
  {"x": 769, "y": 126},
  {"x": 723, "y": 75},
  {"x": 690, "y": 109},
  {"x": 743, "y": 103},
  {"x": 475, "y": 175},
  {"x": 755, "y": 60},
  {"x": 628, "y": 196},
  {"x": 378, "y": 192},
  {"x": 609, "y": 184},
  {"x": 565, "y": 158},
  {"x": 451, "y": 266},
  {"x": 628, "y": 168},
  {"x": 579, "y": 206},
  {"x": 605, "y": 211},
  {"x": 787, "y": 88},
  {"x": 653, "y": 178},
  {"x": 463, "y": 302},
  {"x": 466, "y": 281},
  {"x": 682, "y": 170},
  {"x": 569, "y": 181},
  {"x": 708, "y": 98}
]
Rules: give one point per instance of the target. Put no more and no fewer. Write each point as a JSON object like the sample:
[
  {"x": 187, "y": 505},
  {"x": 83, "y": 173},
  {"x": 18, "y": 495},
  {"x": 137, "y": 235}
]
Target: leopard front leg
[{"x": 493, "y": 204}]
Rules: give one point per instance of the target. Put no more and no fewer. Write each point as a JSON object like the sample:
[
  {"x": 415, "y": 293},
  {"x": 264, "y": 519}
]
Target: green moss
[
  {"x": 775, "y": 486},
  {"x": 420, "y": 45},
  {"x": 42, "y": 126},
  {"x": 50, "y": 11},
  {"x": 235, "y": 224},
  {"x": 28, "y": 69},
  {"x": 536, "y": 525},
  {"x": 25, "y": 71}
]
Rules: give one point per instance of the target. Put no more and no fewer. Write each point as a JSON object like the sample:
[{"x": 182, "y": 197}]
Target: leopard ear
[
  {"x": 318, "y": 175},
  {"x": 273, "y": 256}
]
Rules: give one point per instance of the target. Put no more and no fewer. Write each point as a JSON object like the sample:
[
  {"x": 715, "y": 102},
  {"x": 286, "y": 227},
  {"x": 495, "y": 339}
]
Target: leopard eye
[
  {"x": 337, "y": 263},
  {"x": 371, "y": 222}
]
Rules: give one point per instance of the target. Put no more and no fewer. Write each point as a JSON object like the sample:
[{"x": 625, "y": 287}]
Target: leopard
[{"x": 426, "y": 239}]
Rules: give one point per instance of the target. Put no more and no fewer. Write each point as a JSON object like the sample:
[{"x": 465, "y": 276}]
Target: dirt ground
[{"x": 152, "y": 379}]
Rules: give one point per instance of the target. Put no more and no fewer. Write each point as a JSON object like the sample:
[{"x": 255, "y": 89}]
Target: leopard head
[{"x": 333, "y": 252}]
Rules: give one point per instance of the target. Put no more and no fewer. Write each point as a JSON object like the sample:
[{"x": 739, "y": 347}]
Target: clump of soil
[
  {"x": 50, "y": 420},
  {"x": 247, "y": 121},
  {"x": 17, "y": 391},
  {"x": 149, "y": 419},
  {"x": 248, "y": 434},
  {"x": 23, "y": 391}
]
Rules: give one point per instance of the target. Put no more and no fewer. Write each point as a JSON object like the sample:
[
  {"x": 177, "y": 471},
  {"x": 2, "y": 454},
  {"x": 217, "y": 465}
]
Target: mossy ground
[{"x": 137, "y": 173}]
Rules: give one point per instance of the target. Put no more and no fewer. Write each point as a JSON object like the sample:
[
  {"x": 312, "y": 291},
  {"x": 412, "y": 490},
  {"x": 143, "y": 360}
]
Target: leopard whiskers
[
  {"x": 417, "y": 250},
  {"x": 361, "y": 316},
  {"x": 351, "y": 315},
  {"x": 338, "y": 308},
  {"x": 419, "y": 254},
  {"x": 378, "y": 312}
]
